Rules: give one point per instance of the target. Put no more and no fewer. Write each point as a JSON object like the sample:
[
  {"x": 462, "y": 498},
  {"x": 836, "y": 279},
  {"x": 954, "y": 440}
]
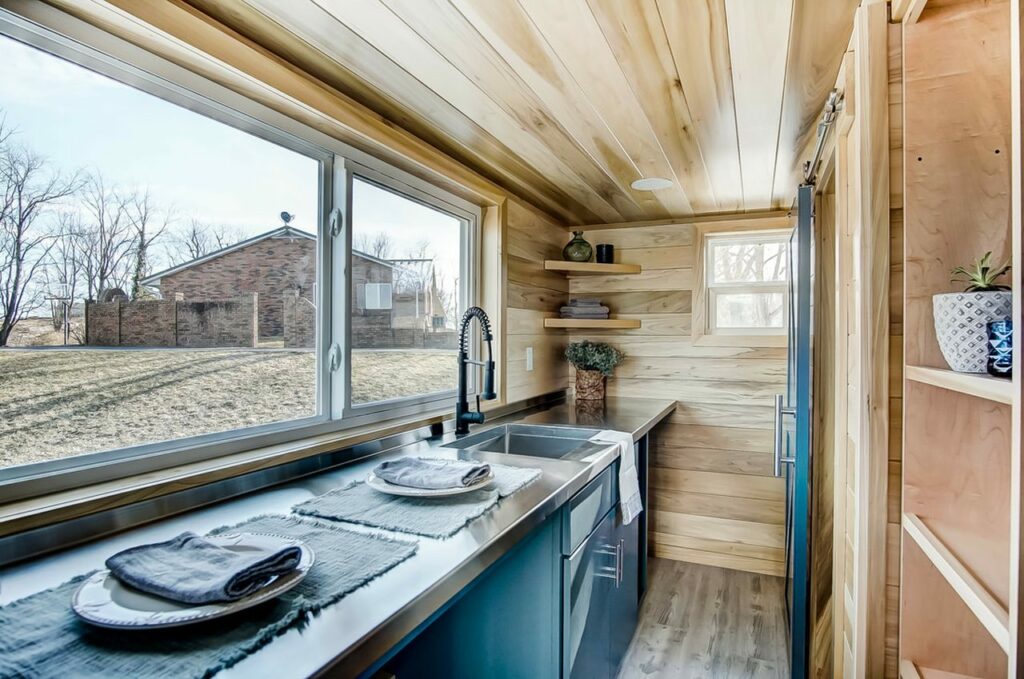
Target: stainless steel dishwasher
[{"x": 600, "y": 581}]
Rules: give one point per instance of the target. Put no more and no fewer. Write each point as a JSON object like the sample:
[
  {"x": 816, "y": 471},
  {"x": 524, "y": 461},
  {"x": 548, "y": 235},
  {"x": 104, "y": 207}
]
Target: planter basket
[
  {"x": 961, "y": 320},
  {"x": 589, "y": 385}
]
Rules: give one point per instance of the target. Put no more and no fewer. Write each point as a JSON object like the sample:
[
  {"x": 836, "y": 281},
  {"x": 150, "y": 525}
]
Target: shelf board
[
  {"x": 909, "y": 670},
  {"x": 589, "y": 268},
  {"x": 592, "y": 323},
  {"x": 989, "y": 612},
  {"x": 982, "y": 386}
]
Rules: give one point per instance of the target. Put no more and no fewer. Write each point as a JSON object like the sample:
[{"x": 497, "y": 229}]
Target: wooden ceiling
[{"x": 566, "y": 102}]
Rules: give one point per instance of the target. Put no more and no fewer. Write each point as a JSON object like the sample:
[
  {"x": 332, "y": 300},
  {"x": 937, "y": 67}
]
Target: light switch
[{"x": 529, "y": 359}]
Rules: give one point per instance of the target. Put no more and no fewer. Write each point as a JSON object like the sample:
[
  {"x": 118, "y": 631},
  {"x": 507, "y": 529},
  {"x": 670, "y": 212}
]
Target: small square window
[{"x": 746, "y": 284}]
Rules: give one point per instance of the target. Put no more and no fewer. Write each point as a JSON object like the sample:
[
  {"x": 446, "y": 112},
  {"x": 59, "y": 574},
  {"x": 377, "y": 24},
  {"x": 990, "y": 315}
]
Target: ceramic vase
[
  {"x": 578, "y": 250},
  {"x": 961, "y": 326},
  {"x": 589, "y": 385}
]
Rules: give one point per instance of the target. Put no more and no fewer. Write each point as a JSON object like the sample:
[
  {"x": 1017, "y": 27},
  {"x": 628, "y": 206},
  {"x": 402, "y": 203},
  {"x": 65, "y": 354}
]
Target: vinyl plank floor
[{"x": 701, "y": 622}]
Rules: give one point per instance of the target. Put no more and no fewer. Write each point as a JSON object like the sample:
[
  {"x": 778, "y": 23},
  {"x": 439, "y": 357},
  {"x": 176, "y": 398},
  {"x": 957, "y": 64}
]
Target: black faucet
[{"x": 463, "y": 415}]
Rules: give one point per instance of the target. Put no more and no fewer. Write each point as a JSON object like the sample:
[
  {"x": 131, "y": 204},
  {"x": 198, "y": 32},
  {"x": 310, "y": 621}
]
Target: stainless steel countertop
[{"x": 350, "y": 635}]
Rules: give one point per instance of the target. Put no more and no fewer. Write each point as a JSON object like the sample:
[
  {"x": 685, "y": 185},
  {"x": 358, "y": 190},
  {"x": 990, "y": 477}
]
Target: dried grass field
[{"x": 58, "y": 403}]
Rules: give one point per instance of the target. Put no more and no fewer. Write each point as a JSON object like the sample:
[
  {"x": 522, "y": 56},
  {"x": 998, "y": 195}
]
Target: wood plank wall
[
  {"x": 533, "y": 294},
  {"x": 714, "y": 498},
  {"x": 893, "y": 531}
]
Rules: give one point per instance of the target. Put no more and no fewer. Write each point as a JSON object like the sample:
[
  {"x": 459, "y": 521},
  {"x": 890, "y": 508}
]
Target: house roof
[{"x": 280, "y": 232}]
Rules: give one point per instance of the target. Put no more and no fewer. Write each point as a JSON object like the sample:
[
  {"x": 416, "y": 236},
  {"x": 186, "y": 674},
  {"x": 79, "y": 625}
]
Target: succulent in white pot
[{"x": 961, "y": 318}]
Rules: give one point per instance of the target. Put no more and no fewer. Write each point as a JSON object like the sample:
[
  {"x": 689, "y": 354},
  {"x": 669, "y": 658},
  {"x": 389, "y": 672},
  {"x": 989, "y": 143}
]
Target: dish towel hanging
[{"x": 630, "y": 502}]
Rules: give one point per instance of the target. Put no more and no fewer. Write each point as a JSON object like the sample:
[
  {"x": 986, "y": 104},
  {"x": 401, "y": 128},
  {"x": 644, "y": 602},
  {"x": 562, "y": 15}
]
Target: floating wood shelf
[
  {"x": 592, "y": 323},
  {"x": 909, "y": 670},
  {"x": 990, "y": 613},
  {"x": 589, "y": 268},
  {"x": 982, "y": 386}
]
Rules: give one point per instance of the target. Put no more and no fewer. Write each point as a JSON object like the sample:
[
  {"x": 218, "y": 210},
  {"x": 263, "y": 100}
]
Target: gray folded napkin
[
  {"x": 431, "y": 475},
  {"x": 193, "y": 570}
]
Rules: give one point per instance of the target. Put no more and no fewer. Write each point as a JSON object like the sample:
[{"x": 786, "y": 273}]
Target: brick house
[{"x": 280, "y": 265}]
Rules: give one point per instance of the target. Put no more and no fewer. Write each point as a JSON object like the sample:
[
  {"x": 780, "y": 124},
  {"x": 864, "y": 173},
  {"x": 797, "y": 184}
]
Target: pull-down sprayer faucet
[{"x": 463, "y": 415}]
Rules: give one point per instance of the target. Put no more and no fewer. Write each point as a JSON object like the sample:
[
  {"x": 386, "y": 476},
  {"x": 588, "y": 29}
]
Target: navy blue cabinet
[{"x": 563, "y": 604}]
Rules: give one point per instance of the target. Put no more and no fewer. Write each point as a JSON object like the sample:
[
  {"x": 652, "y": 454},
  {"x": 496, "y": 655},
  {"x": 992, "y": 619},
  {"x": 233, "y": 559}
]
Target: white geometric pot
[{"x": 960, "y": 319}]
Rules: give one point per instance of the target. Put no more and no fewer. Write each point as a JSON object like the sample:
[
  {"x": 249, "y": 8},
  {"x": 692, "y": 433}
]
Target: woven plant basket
[{"x": 589, "y": 385}]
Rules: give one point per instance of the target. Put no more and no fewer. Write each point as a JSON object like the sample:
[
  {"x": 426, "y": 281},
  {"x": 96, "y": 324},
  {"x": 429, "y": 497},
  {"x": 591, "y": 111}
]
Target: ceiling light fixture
[{"x": 651, "y": 184}]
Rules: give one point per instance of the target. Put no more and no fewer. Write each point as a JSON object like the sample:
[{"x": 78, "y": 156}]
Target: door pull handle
[{"x": 777, "y": 456}]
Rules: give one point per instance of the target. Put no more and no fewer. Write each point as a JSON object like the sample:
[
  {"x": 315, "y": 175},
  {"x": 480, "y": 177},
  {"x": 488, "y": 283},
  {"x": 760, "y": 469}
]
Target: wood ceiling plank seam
[
  {"x": 758, "y": 77},
  {"x": 533, "y": 114},
  {"x": 631, "y": 33},
  {"x": 507, "y": 29},
  {"x": 513, "y": 176},
  {"x": 782, "y": 100},
  {"x": 430, "y": 65},
  {"x": 694, "y": 56},
  {"x": 647, "y": 164},
  {"x": 654, "y": 133}
]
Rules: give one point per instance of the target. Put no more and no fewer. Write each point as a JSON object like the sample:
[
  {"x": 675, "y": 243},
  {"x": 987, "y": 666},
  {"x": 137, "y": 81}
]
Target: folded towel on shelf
[
  {"x": 193, "y": 570},
  {"x": 585, "y": 316},
  {"x": 584, "y": 302},
  {"x": 589, "y": 310},
  {"x": 431, "y": 474}
]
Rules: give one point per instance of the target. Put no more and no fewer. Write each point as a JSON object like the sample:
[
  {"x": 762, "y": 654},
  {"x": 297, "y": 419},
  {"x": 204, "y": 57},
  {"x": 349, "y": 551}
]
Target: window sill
[{"x": 41, "y": 511}]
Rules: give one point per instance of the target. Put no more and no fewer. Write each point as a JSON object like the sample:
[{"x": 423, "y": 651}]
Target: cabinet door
[
  {"x": 590, "y": 580},
  {"x": 625, "y": 598}
]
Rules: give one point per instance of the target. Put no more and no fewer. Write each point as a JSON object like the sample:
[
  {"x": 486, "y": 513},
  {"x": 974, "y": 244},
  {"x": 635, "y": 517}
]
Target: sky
[{"x": 200, "y": 168}]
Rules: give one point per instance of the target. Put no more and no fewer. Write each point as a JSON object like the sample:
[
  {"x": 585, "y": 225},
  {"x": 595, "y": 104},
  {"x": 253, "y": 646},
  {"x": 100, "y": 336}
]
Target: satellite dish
[{"x": 286, "y": 217}]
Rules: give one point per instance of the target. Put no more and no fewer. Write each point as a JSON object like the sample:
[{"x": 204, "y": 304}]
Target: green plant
[
  {"x": 982, "y": 278},
  {"x": 587, "y": 355}
]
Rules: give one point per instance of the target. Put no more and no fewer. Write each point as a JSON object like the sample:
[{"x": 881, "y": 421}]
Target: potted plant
[
  {"x": 961, "y": 318},
  {"x": 594, "y": 361}
]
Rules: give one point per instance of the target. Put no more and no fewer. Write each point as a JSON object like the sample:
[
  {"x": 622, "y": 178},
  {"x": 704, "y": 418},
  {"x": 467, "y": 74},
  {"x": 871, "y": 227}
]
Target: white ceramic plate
[
  {"x": 377, "y": 483},
  {"x": 105, "y": 601}
]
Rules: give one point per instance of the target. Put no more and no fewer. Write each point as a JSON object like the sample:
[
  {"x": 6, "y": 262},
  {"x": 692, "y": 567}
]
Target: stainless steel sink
[{"x": 533, "y": 440}]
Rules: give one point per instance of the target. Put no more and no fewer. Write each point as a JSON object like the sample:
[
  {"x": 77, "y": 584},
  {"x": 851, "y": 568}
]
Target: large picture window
[{"x": 187, "y": 276}]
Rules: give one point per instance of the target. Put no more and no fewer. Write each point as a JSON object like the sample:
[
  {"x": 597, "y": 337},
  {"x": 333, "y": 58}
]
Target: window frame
[
  {"x": 435, "y": 198},
  {"x": 703, "y": 332},
  {"x": 66, "y": 37}
]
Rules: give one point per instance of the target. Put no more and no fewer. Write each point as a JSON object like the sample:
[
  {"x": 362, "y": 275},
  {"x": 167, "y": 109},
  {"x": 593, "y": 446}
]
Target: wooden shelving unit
[
  {"x": 961, "y": 538},
  {"x": 989, "y": 612},
  {"x": 982, "y": 386},
  {"x": 590, "y": 268},
  {"x": 592, "y": 323},
  {"x": 909, "y": 670}
]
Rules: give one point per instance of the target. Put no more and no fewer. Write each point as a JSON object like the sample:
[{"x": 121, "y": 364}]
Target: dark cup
[
  {"x": 1000, "y": 348},
  {"x": 605, "y": 253}
]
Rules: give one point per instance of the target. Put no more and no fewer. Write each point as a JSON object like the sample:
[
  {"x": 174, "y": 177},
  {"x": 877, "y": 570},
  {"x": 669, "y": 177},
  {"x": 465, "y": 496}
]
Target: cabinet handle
[{"x": 620, "y": 560}]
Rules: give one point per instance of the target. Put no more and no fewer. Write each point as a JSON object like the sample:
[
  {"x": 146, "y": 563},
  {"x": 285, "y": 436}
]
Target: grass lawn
[{"x": 54, "y": 404}]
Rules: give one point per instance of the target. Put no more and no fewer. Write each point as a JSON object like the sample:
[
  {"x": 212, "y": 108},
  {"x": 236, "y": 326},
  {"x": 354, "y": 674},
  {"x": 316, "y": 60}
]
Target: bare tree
[
  {"x": 378, "y": 245},
  {"x": 29, "y": 191},
  {"x": 105, "y": 238},
  {"x": 63, "y": 269},
  {"x": 198, "y": 238},
  {"x": 147, "y": 226}
]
